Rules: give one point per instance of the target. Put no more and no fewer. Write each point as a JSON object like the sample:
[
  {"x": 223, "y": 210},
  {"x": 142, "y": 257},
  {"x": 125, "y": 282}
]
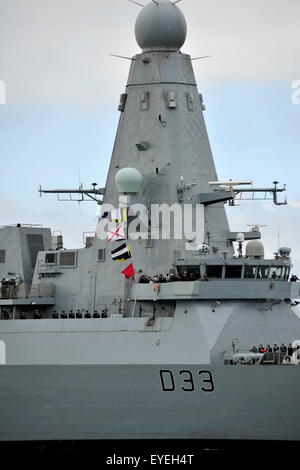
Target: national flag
[
  {"x": 116, "y": 215},
  {"x": 129, "y": 271},
  {"x": 119, "y": 215},
  {"x": 118, "y": 233},
  {"x": 122, "y": 253}
]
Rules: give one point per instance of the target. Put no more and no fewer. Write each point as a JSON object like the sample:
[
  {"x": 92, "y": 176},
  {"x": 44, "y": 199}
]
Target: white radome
[
  {"x": 160, "y": 26},
  {"x": 203, "y": 249},
  {"x": 128, "y": 181}
]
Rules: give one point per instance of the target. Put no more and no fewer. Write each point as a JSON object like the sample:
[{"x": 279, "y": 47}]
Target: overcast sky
[{"x": 58, "y": 125}]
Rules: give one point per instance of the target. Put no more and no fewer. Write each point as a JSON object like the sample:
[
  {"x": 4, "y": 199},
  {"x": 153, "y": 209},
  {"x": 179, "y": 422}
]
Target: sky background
[{"x": 58, "y": 125}]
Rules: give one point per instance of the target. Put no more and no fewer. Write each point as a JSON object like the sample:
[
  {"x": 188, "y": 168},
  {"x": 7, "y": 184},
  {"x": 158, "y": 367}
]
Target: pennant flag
[
  {"x": 119, "y": 215},
  {"x": 122, "y": 253},
  {"x": 116, "y": 216},
  {"x": 129, "y": 271},
  {"x": 118, "y": 233}
]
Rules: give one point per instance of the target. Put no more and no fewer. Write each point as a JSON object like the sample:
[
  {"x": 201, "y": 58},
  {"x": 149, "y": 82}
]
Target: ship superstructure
[{"x": 109, "y": 340}]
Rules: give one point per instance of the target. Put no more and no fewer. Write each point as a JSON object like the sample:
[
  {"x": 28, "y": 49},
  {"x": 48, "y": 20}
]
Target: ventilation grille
[
  {"x": 67, "y": 258},
  {"x": 2, "y": 256}
]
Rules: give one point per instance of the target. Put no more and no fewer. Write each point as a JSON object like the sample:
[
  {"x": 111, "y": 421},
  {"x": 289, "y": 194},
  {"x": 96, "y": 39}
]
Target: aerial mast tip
[{"x": 136, "y": 3}]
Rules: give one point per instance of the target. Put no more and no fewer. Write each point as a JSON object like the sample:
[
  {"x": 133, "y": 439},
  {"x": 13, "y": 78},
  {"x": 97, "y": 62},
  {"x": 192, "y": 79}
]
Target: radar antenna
[
  {"x": 254, "y": 193},
  {"x": 202, "y": 57},
  {"x": 137, "y": 3},
  {"x": 122, "y": 57},
  {"x": 83, "y": 195},
  {"x": 255, "y": 227}
]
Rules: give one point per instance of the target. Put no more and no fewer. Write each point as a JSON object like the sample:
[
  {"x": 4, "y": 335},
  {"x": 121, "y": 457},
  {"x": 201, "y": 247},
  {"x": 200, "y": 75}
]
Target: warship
[{"x": 145, "y": 333}]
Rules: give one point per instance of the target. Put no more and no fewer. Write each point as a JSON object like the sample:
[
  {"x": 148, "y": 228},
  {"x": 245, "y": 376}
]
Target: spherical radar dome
[
  {"x": 128, "y": 181},
  {"x": 255, "y": 249},
  {"x": 160, "y": 26}
]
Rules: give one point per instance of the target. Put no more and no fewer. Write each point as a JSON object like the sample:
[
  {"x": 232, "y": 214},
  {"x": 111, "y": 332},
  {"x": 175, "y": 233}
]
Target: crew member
[
  {"x": 37, "y": 315},
  {"x": 78, "y": 314},
  {"x": 283, "y": 348}
]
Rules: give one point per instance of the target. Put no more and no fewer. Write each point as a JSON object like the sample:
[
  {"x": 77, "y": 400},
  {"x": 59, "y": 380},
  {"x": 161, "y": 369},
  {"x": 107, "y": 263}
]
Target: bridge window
[
  {"x": 263, "y": 272},
  {"x": 50, "y": 258},
  {"x": 190, "y": 270},
  {"x": 287, "y": 273},
  {"x": 275, "y": 272},
  {"x": 233, "y": 272},
  {"x": 250, "y": 272},
  {"x": 214, "y": 271}
]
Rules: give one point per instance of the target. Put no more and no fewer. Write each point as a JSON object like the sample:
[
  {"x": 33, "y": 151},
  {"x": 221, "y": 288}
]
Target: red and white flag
[{"x": 118, "y": 233}]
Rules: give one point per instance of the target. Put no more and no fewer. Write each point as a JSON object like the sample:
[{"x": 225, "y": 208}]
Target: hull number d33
[{"x": 186, "y": 381}]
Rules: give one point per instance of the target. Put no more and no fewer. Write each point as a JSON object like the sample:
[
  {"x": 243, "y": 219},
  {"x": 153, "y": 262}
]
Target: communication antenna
[
  {"x": 240, "y": 238},
  {"x": 255, "y": 227},
  {"x": 278, "y": 227},
  {"x": 137, "y": 3},
  {"x": 201, "y": 57},
  {"x": 229, "y": 185},
  {"x": 121, "y": 56}
]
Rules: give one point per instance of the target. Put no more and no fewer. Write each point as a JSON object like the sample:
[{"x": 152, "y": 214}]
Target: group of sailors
[
  {"x": 9, "y": 286},
  {"x": 171, "y": 277},
  {"x": 64, "y": 315},
  {"x": 289, "y": 350},
  {"x": 188, "y": 276}
]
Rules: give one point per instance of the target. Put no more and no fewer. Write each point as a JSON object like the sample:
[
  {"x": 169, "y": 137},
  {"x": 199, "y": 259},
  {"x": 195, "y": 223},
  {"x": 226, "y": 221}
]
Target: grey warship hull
[
  {"x": 128, "y": 402},
  {"x": 129, "y": 383},
  {"x": 92, "y": 347}
]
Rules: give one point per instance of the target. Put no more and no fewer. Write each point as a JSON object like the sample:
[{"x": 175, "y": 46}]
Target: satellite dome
[
  {"x": 284, "y": 252},
  {"x": 255, "y": 249},
  {"x": 160, "y": 26},
  {"x": 203, "y": 249},
  {"x": 128, "y": 181}
]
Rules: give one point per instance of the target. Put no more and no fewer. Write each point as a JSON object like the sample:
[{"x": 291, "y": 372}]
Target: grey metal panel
[
  {"x": 38, "y": 301},
  {"x": 96, "y": 402},
  {"x": 218, "y": 289}
]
